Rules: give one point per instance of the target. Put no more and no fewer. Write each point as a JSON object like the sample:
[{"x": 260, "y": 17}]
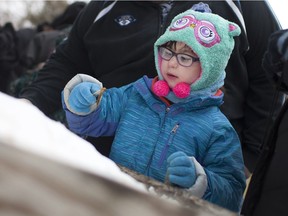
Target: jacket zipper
[
  {"x": 165, "y": 150},
  {"x": 150, "y": 160}
]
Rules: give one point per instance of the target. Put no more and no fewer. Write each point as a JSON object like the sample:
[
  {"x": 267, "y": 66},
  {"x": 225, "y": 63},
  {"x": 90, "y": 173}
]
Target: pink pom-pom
[
  {"x": 182, "y": 90},
  {"x": 161, "y": 88}
]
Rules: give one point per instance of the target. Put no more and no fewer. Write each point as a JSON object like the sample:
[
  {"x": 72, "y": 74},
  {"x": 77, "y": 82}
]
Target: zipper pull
[
  {"x": 175, "y": 128},
  {"x": 167, "y": 109}
]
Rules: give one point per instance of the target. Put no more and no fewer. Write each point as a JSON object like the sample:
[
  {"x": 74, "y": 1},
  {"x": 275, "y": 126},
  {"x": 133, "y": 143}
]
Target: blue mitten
[
  {"x": 81, "y": 97},
  {"x": 181, "y": 170}
]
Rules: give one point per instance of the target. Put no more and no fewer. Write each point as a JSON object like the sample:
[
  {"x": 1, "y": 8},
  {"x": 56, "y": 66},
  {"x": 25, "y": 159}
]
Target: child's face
[{"x": 173, "y": 72}]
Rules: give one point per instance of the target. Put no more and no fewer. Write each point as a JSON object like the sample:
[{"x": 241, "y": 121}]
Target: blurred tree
[
  {"x": 43, "y": 11},
  {"x": 10, "y": 11},
  {"x": 30, "y": 13}
]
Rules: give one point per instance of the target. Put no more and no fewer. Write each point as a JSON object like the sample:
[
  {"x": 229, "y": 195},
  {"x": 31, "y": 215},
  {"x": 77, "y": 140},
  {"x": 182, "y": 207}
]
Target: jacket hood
[{"x": 210, "y": 37}]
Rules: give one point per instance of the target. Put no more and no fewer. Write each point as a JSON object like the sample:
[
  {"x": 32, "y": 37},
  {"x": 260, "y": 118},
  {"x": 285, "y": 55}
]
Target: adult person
[
  {"x": 113, "y": 42},
  {"x": 8, "y": 55},
  {"x": 268, "y": 188}
]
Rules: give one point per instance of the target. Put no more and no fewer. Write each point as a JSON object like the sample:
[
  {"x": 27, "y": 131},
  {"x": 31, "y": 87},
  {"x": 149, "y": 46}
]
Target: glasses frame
[{"x": 194, "y": 59}]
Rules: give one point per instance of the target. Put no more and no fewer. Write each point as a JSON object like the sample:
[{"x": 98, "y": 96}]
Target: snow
[{"x": 24, "y": 126}]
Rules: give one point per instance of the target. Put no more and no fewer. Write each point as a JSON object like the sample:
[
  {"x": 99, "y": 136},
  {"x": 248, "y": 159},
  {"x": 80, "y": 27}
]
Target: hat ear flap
[{"x": 234, "y": 29}]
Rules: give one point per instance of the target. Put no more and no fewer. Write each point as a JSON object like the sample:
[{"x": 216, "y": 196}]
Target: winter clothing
[
  {"x": 82, "y": 100},
  {"x": 181, "y": 170},
  {"x": 210, "y": 37},
  {"x": 267, "y": 191},
  {"x": 162, "y": 89},
  {"x": 268, "y": 188},
  {"x": 68, "y": 17},
  {"x": 117, "y": 49},
  {"x": 147, "y": 131},
  {"x": 40, "y": 47},
  {"x": 156, "y": 142},
  {"x": 82, "y": 97},
  {"x": 8, "y": 55},
  {"x": 275, "y": 58}
]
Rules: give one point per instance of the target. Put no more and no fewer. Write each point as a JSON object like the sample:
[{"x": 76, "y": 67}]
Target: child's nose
[{"x": 173, "y": 61}]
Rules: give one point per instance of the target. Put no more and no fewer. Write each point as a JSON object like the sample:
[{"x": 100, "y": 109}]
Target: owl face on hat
[{"x": 205, "y": 32}]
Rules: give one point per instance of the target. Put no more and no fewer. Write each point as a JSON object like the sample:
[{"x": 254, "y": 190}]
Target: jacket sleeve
[
  {"x": 260, "y": 23},
  {"x": 69, "y": 59},
  {"x": 224, "y": 167},
  {"x": 104, "y": 120}
]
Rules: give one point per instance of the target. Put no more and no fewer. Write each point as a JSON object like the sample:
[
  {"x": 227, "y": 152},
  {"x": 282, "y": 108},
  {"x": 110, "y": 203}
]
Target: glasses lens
[
  {"x": 184, "y": 60},
  {"x": 165, "y": 53}
]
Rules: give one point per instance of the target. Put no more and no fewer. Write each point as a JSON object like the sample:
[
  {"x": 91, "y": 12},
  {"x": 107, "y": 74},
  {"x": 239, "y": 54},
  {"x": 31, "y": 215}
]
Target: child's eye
[
  {"x": 185, "y": 58},
  {"x": 167, "y": 53}
]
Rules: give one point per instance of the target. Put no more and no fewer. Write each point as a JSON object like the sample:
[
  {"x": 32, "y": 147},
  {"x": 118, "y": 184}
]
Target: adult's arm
[{"x": 260, "y": 23}]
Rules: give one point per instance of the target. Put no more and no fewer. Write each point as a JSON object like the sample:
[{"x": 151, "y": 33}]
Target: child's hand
[
  {"x": 181, "y": 170},
  {"x": 81, "y": 97}
]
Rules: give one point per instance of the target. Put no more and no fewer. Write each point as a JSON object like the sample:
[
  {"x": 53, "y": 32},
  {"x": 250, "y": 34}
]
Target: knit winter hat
[{"x": 210, "y": 37}]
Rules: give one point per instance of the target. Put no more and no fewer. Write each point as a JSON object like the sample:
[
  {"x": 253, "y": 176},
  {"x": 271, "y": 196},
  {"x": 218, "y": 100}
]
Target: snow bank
[{"x": 24, "y": 126}]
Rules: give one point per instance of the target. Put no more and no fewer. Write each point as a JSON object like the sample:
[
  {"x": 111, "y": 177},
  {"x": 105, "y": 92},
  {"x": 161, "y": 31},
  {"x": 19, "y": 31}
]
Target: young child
[{"x": 170, "y": 127}]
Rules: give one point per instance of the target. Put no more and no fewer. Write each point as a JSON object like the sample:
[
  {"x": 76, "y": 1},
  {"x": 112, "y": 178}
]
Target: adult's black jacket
[
  {"x": 268, "y": 188},
  {"x": 267, "y": 192},
  {"x": 119, "y": 54}
]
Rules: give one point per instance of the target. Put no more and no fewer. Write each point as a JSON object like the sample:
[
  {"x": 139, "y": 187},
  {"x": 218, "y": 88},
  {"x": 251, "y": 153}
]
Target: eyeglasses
[{"x": 182, "y": 59}]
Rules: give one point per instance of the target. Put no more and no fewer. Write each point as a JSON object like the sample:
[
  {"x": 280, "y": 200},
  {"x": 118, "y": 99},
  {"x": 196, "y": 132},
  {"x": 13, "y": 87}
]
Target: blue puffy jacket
[{"x": 147, "y": 131}]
